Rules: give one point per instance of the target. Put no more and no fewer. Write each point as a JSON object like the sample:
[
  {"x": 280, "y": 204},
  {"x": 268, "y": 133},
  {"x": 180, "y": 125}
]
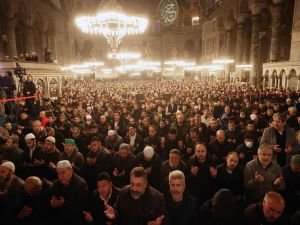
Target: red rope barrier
[{"x": 17, "y": 99}]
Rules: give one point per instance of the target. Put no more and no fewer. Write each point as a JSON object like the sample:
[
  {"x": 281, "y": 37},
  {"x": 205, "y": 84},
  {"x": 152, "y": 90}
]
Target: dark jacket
[
  {"x": 39, "y": 204},
  {"x": 154, "y": 177},
  {"x": 76, "y": 159},
  {"x": 76, "y": 198},
  {"x": 147, "y": 208},
  {"x": 123, "y": 165},
  {"x": 292, "y": 192},
  {"x": 202, "y": 185},
  {"x": 221, "y": 210},
  {"x": 10, "y": 202},
  {"x": 103, "y": 164},
  {"x": 183, "y": 213},
  {"x": 97, "y": 208},
  {"x": 232, "y": 181},
  {"x": 138, "y": 143},
  {"x": 254, "y": 216}
]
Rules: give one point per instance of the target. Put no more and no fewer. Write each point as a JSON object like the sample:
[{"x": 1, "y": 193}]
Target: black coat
[
  {"x": 29, "y": 88},
  {"x": 140, "y": 211},
  {"x": 76, "y": 198},
  {"x": 202, "y": 185},
  {"x": 183, "y": 213},
  {"x": 97, "y": 208},
  {"x": 103, "y": 164},
  {"x": 232, "y": 181},
  {"x": 254, "y": 216},
  {"x": 39, "y": 204}
]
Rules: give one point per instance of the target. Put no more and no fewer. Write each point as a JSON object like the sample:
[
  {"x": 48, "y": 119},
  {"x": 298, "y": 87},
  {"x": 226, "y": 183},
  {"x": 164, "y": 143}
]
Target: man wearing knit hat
[
  {"x": 151, "y": 162},
  {"x": 291, "y": 174},
  {"x": 11, "y": 188},
  {"x": 72, "y": 154},
  {"x": 69, "y": 196}
]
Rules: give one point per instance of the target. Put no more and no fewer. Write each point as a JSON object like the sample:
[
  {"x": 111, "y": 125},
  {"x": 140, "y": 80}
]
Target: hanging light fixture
[{"x": 112, "y": 23}]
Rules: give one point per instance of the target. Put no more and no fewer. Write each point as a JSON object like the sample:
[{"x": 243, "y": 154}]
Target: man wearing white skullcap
[
  {"x": 33, "y": 155},
  {"x": 69, "y": 195},
  {"x": 11, "y": 187},
  {"x": 151, "y": 162}
]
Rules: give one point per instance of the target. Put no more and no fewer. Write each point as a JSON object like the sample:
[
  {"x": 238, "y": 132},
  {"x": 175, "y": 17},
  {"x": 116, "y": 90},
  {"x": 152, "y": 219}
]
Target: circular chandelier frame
[{"x": 112, "y": 25}]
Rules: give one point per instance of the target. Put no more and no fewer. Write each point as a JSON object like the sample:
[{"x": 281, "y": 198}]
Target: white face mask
[{"x": 249, "y": 144}]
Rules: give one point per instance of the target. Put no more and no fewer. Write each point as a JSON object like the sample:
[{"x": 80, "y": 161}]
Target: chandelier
[{"x": 112, "y": 23}]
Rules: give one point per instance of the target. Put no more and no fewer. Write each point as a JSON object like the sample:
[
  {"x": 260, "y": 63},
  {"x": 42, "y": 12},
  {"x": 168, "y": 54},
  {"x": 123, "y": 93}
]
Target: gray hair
[
  {"x": 124, "y": 146},
  {"x": 176, "y": 174},
  {"x": 280, "y": 116},
  {"x": 264, "y": 147}
]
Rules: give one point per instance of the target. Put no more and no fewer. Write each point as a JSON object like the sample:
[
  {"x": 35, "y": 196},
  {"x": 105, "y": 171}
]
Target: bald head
[{"x": 33, "y": 185}]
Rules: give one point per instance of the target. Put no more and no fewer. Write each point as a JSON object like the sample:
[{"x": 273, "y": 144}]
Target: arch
[
  {"x": 266, "y": 78},
  {"x": 266, "y": 74},
  {"x": 292, "y": 73},
  {"x": 41, "y": 87},
  {"x": 281, "y": 79},
  {"x": 292, "y": 79},
  {"x": 53, "y": 88},
  {"x": 273, "y": 78}
]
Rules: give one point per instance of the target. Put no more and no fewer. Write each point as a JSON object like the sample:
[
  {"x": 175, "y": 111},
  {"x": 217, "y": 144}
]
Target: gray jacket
[
  {"x": 256, "y": 191},
  {"x": 269, "y": 137}
]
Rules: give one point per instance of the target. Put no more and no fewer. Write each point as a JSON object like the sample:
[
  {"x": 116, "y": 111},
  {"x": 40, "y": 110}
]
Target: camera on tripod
[{"x": 20, "y": 72}]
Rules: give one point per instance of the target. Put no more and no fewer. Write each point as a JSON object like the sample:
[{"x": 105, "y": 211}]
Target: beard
[
  {"x": 4, "y": 179},
  {"x": 136, "y": 194}
]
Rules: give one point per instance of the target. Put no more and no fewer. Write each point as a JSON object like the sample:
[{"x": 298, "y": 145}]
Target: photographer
[
  {"x": 29, "y": 89},
  {"x": 9, "y": 86}
]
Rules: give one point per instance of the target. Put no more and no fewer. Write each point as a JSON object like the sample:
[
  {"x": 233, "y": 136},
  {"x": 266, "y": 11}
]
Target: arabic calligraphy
[{"x": 168, "y": 11}]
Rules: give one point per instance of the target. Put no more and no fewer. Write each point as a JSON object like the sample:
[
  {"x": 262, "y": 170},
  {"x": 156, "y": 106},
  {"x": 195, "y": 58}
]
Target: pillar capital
[
  {"x": 229, "y": 25},
  {"x": 278, "y": 2},
  {"x": 256, "y": 6},
  {"x": 11, "y": 8},
  {"x": 241, "y": 18}
]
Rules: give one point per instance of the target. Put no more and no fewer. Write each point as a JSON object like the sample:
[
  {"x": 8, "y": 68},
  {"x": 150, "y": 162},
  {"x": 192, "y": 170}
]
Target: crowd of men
[{"x": 135, "y": 152}]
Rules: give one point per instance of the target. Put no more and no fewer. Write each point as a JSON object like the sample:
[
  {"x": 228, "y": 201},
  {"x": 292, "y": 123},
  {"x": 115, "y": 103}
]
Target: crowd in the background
[{"x": 151, "y": 152}]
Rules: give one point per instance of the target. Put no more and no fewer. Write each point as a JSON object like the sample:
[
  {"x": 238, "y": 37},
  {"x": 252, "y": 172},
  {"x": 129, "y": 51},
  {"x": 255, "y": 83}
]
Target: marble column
[
  {"x": 29, "y": 39},
  {"x": 228, "y": 40},
  {"x": 276, "y": 33},
  {"x": 255, "y": 49},
  {"x": 11, "y": 36},
  {"x": 241, "y": 19}
]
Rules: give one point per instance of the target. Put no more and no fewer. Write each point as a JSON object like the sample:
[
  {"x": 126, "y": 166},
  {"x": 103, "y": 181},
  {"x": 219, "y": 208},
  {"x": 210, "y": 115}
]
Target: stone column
[
  {"x": 255, "y": 48},
  {"x": 229, "y": 25},
  {"x": 240, "y": 38},
  {"x": 287, "y": 83},
  {"x": 43, "y": 27},
  {"x": 11, "y": 36},
  {"x": 70, "y": 40},
  {"x": 276, "y": 30},
  {"x": 256, "y": 7},
  {"x": 29, "y": 39}
]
